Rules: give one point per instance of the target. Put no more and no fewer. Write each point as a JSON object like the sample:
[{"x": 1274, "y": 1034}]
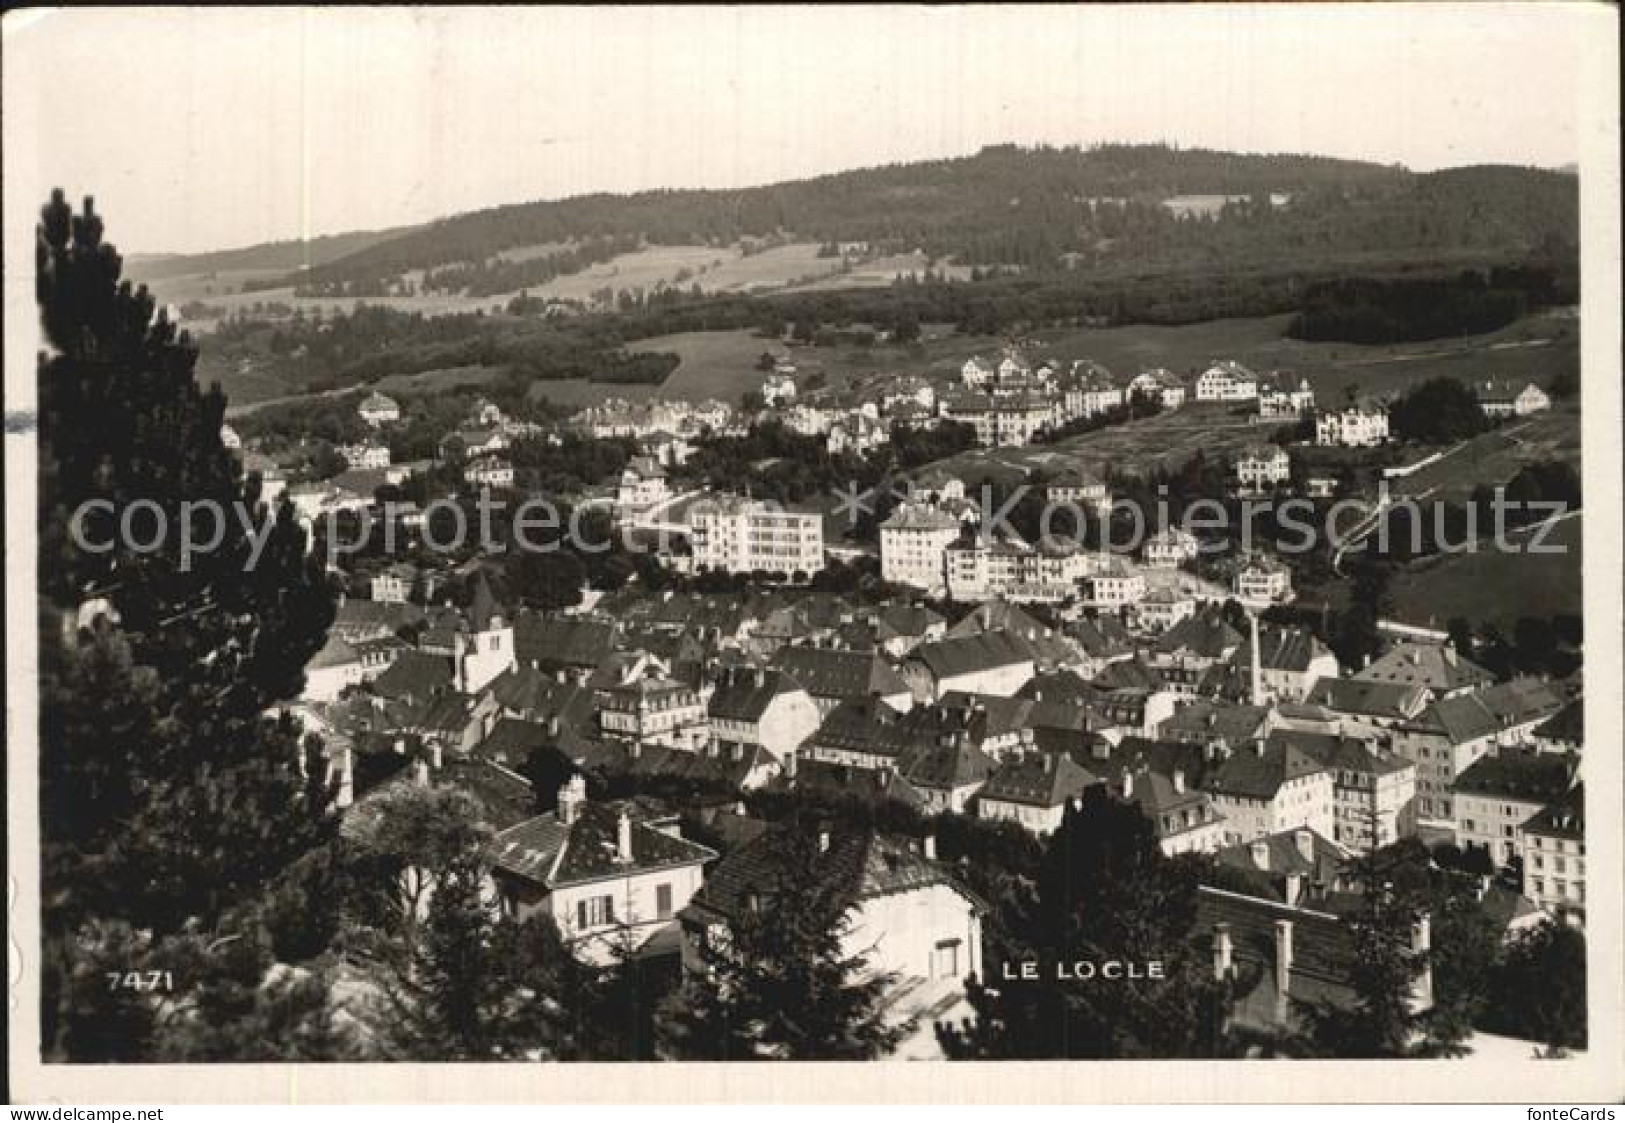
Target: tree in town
[
  {"x": 777, "y": 980},
  {"x": 166, "y": 790},
  {"x": 1539, "y": 989},
  {"x": 1104, "y": 891},
  {"x": 1391, "y": 1013}
]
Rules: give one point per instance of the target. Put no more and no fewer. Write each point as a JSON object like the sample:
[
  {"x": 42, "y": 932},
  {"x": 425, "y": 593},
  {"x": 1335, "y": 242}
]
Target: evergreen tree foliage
[
  {"x": 169, "y": 789},
  {"x": 1104, "y": 892},
  {"x": 778, "y": 982}
]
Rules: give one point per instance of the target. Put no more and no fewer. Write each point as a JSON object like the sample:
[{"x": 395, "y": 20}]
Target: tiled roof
[
  {"x": 1563, "y": 818},
  {"x": 511, "y": 740},
  {"x": 947, "y": 658},
  {"x": 859, "y": 865},
  {"x": 1468, "y": 717},
  {"x": 744, "y": 694},
  {"x": 1435, "y": 666},
  {"x": 1342, "y": 754},
  {"x": 947, "y": 767},
  {"x": 414, "y": 675},
  {"x": 1323, "y": 948},
  {"x": 1038, "y": 780},
  {"x": 1567, "y": 724},
  {"x": 554, "y": 642},
  {"x": 842, "y": 781},
  {"x": 866, "y": 725},
  {"x": 551, "y": 853},
  {"x": 839, "y": 674},
  {"x": 1203, "y": 721},
  {"x": 1249, "y": 773},
  {"x": 1205, "y": 635},
  {"x": 1367, "y": 699},
  {"x": 1518, "y": 772}
]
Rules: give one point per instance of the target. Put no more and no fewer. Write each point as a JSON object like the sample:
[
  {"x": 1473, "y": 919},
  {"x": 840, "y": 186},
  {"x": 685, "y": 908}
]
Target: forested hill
[
  {"x": 1032, "y": 209},
  {"x": 292, "y": 254}
]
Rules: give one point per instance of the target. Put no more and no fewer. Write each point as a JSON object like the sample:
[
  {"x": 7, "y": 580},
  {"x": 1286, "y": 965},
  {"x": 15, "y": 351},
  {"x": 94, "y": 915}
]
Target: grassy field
[
  {"x": 713, "y": 268},
  {"x": 1167, "y": 439},
  {"x": 1495, "y": 457},
  {"x": 1494, "y": 586},
  {"x": 1535, "y": 347},
  {"x": 882, "y": 271}
]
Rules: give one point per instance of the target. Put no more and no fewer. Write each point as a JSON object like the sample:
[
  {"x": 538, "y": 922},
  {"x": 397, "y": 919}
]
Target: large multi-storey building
[
  {"x": 1261, "y": 467},
  {"x": 1002, "y": 419},
  {"x": 914, "y": 544},
  {"x": 1226, "y": 381},
  {"x": 1554, "y": 857},
  {"x": 739, "y": 535},
  {"x": 1355, "y": 426}
]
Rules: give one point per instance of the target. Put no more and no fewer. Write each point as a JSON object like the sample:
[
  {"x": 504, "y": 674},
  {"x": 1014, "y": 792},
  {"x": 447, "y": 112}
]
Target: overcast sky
[{"x": 199, "y": 129}]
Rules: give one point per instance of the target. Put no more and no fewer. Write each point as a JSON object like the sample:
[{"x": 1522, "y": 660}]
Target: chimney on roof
[
  {"x": 1261, "y": 853},
  {"x": 420, "y": 772},
  {"x": 1128, "y": 784},
  {"x": 1258, "y": 746},
  {"x": 436, "y": 756},
  {"x": 930, "y": 845},
  {"x": 823, "y": 841},
  {"x": 1049, "y": 763},
  {"x": 1223, "y": 951},
  {"x": 1283, "y": 959},
  {"x": 571, "y": 798},
  {"x": 623, "y": 838},
  {"x": 1179, "y": 780},
  {"x": 400, "y": 745}
]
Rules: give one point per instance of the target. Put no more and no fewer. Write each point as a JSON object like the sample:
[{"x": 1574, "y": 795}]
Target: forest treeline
[
  {"x": 1404, "y": 310},
  {"x": 1036, "y": 209}
]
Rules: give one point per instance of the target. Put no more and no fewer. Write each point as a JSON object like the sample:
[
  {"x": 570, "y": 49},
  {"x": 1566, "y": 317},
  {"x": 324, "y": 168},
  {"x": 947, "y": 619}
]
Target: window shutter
[{"x": 581, "y": 914}]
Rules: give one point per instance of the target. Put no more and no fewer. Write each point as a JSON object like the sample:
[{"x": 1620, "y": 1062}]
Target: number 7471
[{"x": 140, "y": 980}]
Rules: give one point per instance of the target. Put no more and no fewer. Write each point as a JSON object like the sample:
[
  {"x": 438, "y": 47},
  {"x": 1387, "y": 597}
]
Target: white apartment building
[
  {"x": 489, "y": 471},
  {"x": 365, "y": 455},
  {"x": 1352, "y": 427},
  {"x": 914, "y": 544},
  {"x": 1262, "y": 580},
  {"x": 1002, "y": 420},
  {"x": 1170, "y": 548},
  {"x": 1261, "y": 467},
  {"x": 739, "y": 535},
  {"x": 1554, "y": 858},
  {"x": 1226, "y": 381}
]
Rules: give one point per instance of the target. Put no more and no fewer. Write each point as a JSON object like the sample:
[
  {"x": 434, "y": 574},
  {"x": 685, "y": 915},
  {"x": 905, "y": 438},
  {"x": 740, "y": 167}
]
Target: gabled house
[
  {"x": 1268, "y": 787},
  {"x": 1184, "y": 817},
  {"x": 906, "y": 914},
  {"x": 832, "y": 677},
  {"x": 1373, "y": 791},
  {"x": 1447, "y": 737},
  {"x": 757, "y": 707},
  {"x": 1554, "y": 857},
  {"x": 1034, "y": 789},
  {"x": 1497, "y": 795},
  {"x": 609, "y": 876},
  {"x": 1367, "y": 709},
  {"x": 989, "y": 663},
  {"x": 1435, "y": 667}
]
